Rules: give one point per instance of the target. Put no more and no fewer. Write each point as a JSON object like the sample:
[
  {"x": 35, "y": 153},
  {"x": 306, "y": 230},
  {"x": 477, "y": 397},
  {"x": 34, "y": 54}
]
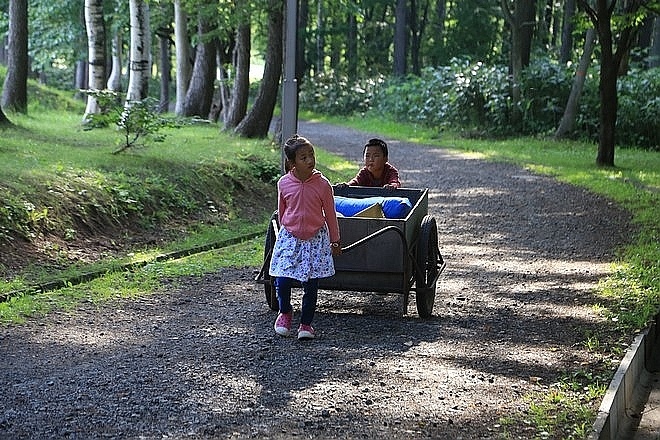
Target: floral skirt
[{"x": 302, "y": 259}]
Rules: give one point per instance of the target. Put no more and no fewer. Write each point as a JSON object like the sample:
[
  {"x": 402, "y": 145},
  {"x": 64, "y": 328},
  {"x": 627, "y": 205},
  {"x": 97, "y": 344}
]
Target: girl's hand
[
  {"x": 389, "y": 186},
  {"x": 335, "y": 248}
]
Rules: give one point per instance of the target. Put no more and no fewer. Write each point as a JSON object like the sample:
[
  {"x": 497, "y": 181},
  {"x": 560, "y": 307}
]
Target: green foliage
[
  {"x": 639, "y": 100},
  {"x": 545, "y": 86},
  {"x": 136, "y": 120},
  {"x": 465, "y": 95},
  {"x": 564, "y": 411},
  {"x": 334, "y": 94},
  {"x": 460, "y": 38}
]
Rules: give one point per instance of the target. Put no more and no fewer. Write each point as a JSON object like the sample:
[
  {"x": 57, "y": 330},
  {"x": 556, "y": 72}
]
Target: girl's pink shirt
[{"x": 304, "y": 207}]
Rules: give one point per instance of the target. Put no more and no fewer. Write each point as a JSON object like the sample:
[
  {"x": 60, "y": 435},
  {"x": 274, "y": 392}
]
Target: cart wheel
[
  {"x": 269, "y": 289},
  {"x": 427, "y": 266}
]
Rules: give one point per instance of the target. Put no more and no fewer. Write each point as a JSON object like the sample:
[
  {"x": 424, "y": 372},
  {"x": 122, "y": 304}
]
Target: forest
[{"x": 570, "y": 68}]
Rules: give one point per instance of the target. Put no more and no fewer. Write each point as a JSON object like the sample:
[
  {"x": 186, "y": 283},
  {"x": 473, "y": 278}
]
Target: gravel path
[{"x": 200, "y": 359}]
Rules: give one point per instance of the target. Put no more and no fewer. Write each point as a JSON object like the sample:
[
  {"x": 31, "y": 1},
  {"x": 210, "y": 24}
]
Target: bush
[
  {"x": 638, "y": 116},
  {"x": 545, "y": 87},
  {"x": 337, "y": 95}
]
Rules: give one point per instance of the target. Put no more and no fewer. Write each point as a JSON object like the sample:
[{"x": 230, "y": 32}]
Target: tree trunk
[
  {"x": 80, "y": 79},
  {"x": 14, "y": 91},
  {"x": 240, "y": 94},
  {"x": 4, "y": 121},
  {"x": 183, "y": 59},
  {"x": 513, "y": 18},
  {"x": 302, "y": 65},
  {"x": 565, "y": 52},
  {"x": 438, "y": 30},
  {"x": 418, "y": 21},
  {"x": 165, "y": 69},
  {"x": 568, "y": 119},
  {"x": 257, "y": 122},
  {"x": 114, "y": 80},
  {"x": 320, "y": 39},
  {"x": 400, "y": 37},
  {"x": 200, "y": 91},
  {"x": 526, "y": 13},
  {"x": 95, "y": 26},
  {"x": 606, "y": 87},
  {"x": 654, "y": 51},
  {"x": 351, "y": 46},
  {"x": 610, "y": 62},
  {"x": 3, "y": 50},
  {"x": 140, "y": 63}
]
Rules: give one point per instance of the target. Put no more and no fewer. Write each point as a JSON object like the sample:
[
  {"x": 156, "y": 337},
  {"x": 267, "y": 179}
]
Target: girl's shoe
[
  {"x": 283, "y": 324},
  {"x": 305, "y": 332}
]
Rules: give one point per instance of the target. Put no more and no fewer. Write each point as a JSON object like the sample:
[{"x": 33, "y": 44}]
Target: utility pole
[{"x": 290, "y": 82}]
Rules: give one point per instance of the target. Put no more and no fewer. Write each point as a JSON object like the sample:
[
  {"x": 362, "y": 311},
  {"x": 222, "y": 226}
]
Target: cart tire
[
  {"x": 427, "y": 266},
  {"x": 269, "y": 288}
]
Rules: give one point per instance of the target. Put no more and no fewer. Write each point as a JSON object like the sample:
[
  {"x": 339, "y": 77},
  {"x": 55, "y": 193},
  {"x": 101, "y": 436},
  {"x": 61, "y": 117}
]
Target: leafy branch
[{"x": 137, "y": 120}]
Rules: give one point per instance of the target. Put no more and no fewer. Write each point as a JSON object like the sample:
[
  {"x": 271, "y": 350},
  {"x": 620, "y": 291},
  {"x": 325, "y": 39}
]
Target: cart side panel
[
  {"x": 383, "y": 282},
  {"x": 384, "y": 253}
]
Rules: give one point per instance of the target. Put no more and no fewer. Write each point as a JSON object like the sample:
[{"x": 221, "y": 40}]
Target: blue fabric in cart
[{"x": 393, "y": 207}]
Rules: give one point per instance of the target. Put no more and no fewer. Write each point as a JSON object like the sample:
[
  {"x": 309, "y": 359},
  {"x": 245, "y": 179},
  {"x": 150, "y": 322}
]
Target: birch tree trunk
[
  {"x": 183, "y": 59},
  {"x": 654, "y": 52},
  {"x": 95, "y": 52},
  {"x": 140, "y": 53},
  {"x": 114, "y": 80}
]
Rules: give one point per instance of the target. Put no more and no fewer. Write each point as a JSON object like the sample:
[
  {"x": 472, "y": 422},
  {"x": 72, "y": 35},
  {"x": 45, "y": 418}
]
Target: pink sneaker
[
  {"x": 305, "y": 332},
  {"x": 283, "y": 324}
]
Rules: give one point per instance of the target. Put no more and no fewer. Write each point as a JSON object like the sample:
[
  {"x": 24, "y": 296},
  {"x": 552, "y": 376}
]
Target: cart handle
[
  {"x": 374, "y": 235},
  {"x": 360, "y": 241}
]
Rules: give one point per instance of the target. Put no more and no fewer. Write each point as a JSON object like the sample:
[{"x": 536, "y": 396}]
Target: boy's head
[{"x": 375, "y": 142}]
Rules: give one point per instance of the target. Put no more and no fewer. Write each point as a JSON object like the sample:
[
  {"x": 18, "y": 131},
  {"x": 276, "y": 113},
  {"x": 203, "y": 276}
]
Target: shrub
[{"x": 334, "y": 94}]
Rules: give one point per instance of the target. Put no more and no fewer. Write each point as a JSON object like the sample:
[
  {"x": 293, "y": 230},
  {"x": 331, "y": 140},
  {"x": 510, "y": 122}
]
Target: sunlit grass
[{"x": 142, "y": 281}]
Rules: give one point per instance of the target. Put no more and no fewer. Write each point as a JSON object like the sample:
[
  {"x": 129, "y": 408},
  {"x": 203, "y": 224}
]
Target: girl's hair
[
  {"x": 291, "y": 146},
  {"x": 375, "y": 142}
]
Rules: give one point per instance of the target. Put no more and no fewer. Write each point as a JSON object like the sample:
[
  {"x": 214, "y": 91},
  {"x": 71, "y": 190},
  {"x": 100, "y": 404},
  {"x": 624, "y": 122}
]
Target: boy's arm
[{"x": 392, "y": 177}]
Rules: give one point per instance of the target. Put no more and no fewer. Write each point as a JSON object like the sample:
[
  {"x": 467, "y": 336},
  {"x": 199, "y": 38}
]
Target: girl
[{"x": 308, "y": 236}]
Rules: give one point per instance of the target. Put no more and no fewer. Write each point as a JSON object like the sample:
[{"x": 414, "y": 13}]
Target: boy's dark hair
[
  {"x": 375, "y": 142},
  {"x": 291, "y": 146}
]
